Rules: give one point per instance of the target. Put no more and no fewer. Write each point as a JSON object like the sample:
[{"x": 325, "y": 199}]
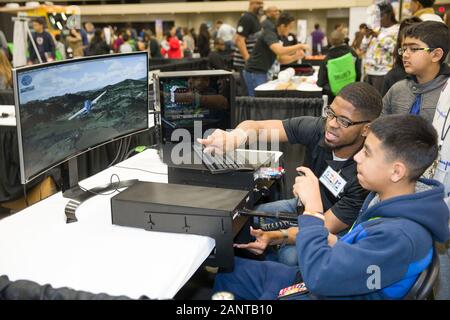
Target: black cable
[
  {"x": 164, "y": 174},
  {"x": 116, "y": 188}
]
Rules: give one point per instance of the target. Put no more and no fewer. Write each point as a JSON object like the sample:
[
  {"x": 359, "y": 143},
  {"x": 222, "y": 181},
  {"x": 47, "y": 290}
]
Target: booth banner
[{"x": 301, "y": 31}]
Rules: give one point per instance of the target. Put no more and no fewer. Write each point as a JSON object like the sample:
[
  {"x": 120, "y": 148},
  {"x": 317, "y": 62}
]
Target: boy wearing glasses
[
  {"x": 389, "y": 245},
  {"x": 331, "y": 144},
  {"x": 424, "y": 49}
]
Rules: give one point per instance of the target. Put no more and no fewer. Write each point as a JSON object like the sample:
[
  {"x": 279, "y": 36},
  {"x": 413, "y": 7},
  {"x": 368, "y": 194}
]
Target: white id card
[{"x": 333, "y": 181}]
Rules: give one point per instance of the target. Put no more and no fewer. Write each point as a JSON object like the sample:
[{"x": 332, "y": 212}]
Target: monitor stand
[{"x": 71, "y": 189}]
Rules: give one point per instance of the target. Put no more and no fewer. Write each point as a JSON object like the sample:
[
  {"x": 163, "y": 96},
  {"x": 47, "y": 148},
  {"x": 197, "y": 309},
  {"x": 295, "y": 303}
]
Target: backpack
[{"x": 341, "y": 72}]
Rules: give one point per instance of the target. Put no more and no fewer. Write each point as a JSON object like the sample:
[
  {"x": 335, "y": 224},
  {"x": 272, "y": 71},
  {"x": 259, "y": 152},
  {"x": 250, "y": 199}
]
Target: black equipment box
[
  {"x": 199, "y": 175},
  {"x": 178, "y": 208}
]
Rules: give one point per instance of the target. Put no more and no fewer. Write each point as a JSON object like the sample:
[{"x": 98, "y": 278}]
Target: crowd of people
[{"x": 383, "y": 140}]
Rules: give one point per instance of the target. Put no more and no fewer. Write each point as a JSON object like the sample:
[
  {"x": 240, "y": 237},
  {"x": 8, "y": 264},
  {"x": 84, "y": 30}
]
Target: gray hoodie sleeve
[{"x": 387, "y": 107}]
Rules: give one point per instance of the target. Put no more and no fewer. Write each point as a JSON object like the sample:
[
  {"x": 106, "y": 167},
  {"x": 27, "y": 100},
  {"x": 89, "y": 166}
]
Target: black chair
[{"x": 423, "y": 287}]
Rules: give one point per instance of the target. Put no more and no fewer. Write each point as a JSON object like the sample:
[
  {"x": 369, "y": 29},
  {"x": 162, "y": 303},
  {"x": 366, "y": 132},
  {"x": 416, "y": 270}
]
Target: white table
[
  {"x": 10, "y": 120},
  {"x": 307, "y": 84},
  {"x": 92, "y": 254}
]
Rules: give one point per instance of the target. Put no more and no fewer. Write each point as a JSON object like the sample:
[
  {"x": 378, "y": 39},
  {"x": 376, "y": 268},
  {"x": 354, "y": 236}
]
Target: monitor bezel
[{"x": 16, "y": 71}]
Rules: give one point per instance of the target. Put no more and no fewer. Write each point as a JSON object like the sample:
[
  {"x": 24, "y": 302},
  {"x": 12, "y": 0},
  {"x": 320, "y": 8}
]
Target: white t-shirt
[
  {"x": 125, "y": 48},
  {"x": 430, "y": 17},
  {"x": 226, "y": 32}
]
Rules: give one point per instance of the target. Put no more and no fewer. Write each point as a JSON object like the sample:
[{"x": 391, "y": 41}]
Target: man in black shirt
[
  {"x": 246, "y": 33},
  {"x": 269, "y": 47},
  {"x": 272, "y": 14},
  {"x": 331, "y": 144},
  {"x": 44, "y": 43}
]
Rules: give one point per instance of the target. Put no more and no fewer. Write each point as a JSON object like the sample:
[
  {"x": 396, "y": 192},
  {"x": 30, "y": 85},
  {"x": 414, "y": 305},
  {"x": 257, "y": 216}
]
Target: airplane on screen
[{"x": 87, "y": 107}]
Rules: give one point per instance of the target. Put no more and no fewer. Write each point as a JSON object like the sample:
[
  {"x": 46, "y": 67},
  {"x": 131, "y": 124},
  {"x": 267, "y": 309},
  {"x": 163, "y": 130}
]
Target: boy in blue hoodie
[{"x": 389, "y": 245}]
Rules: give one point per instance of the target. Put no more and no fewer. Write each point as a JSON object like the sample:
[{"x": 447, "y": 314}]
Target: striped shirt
[{"x": 248, "y": 27}]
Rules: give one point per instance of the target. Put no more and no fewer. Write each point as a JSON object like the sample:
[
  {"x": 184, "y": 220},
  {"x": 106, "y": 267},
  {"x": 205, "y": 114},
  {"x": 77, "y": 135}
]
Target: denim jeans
[
  {"x": 252, "y": 280},
  {"x": 252, "y": 80},
  {"x": 287, "y": 254}
]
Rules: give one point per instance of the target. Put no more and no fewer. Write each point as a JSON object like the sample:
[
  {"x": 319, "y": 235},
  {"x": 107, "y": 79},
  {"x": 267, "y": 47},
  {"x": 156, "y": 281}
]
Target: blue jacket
[{"x": 394, "y": 237}]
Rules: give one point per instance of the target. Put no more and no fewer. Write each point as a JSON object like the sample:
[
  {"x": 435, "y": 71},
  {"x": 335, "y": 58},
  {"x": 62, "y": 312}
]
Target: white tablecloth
[
  {"x": 307, "y": 84},
  {"x": 94, "y": 255}
]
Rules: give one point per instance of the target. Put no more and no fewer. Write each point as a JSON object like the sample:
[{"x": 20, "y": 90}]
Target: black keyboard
[{"x": 220, "y": 164}]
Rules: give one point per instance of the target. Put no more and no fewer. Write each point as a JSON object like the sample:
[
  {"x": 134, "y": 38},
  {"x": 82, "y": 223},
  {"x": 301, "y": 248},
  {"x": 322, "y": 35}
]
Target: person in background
[
  {"x": 5, "y": 72},
  {"x": 272, "y": 14},
  {"x": 359, "y": 36},
  {"x": 203, "y": 41},
  {"x": 338, "y": 49},
  {"x": 60, "y": 52},
  {"x": 194, "y": 36},
  {"x": 379, "y": 58},
  {"x": 44, "y": 43},
  {"x": 75, "y": 43},
  {"x": 219, "y": 58},
  {"x": 84, "y": 40},
  {"x": 98, "y": 45},
  {"x": 247, "y": 33},
  {"x": 226, "y": 33},
  {"x": 125, "y": 46},
  {"x": 188, "y": 42},
  {"x": 268, "y": 49},
  {"x": 118, "y": 41},
  {"x": 423, "y": 9},
  {"x": 153, "y": 46},
  {"x": 172, "y": 46},
  {"x": 317, "y": 37},
  {"x": 398, "y": 72},
  {"x": 90, "y": 30}
]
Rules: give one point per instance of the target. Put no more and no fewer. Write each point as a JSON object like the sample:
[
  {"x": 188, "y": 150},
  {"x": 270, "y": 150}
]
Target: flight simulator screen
[
  {"x": 69, "y": 107},
  {"x": 186, "y": 100}
]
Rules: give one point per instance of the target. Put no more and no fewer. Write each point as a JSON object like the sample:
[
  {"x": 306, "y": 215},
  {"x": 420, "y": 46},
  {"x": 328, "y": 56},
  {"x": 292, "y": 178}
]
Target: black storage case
[{"x": 178, "y": 208}]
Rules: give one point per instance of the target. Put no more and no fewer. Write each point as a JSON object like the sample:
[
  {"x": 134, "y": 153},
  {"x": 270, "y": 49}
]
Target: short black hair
[
  {"x": 363, "y": 26},
  {"x": 434, "y": 34},
  {"x": 403, "y": 25},
  {"x": 316, "y": 26},
  {"x": 364, "y": 97},
  {"x": 387, "y": 8},
  {"x": 285, "y": 18},
  {"x": 409, "y": 138},
  {"x": 426, "y": 3},
  {"x": 40, "y": 20}
]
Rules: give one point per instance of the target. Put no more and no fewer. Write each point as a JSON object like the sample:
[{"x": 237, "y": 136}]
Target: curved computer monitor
[{"x": 66, "y": 108}]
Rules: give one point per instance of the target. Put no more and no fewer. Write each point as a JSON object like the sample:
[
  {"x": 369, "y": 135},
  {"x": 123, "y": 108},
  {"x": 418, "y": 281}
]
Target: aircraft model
[{"x": 87, "y": 107}]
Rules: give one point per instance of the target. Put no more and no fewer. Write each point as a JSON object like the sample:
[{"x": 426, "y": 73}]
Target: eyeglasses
[
  {"x": 343, "y": 122},
  {"x": 402, "y": 51}
]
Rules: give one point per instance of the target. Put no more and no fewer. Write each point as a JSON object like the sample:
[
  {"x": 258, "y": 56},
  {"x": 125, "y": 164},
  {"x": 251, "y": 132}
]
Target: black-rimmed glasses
[{"x": 343, "y": 122}]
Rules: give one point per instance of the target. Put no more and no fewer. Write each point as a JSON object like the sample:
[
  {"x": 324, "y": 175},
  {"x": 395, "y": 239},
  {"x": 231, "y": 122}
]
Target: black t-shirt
[
  {"x": 248, "y": 27},
  {"x": 268, "y": 24},
  {"x": 262, "y": 57},
  {"x": 310, "y": 132}
]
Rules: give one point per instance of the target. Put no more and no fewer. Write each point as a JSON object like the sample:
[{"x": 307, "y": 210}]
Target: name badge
[{"x": 333, "y": 181}]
